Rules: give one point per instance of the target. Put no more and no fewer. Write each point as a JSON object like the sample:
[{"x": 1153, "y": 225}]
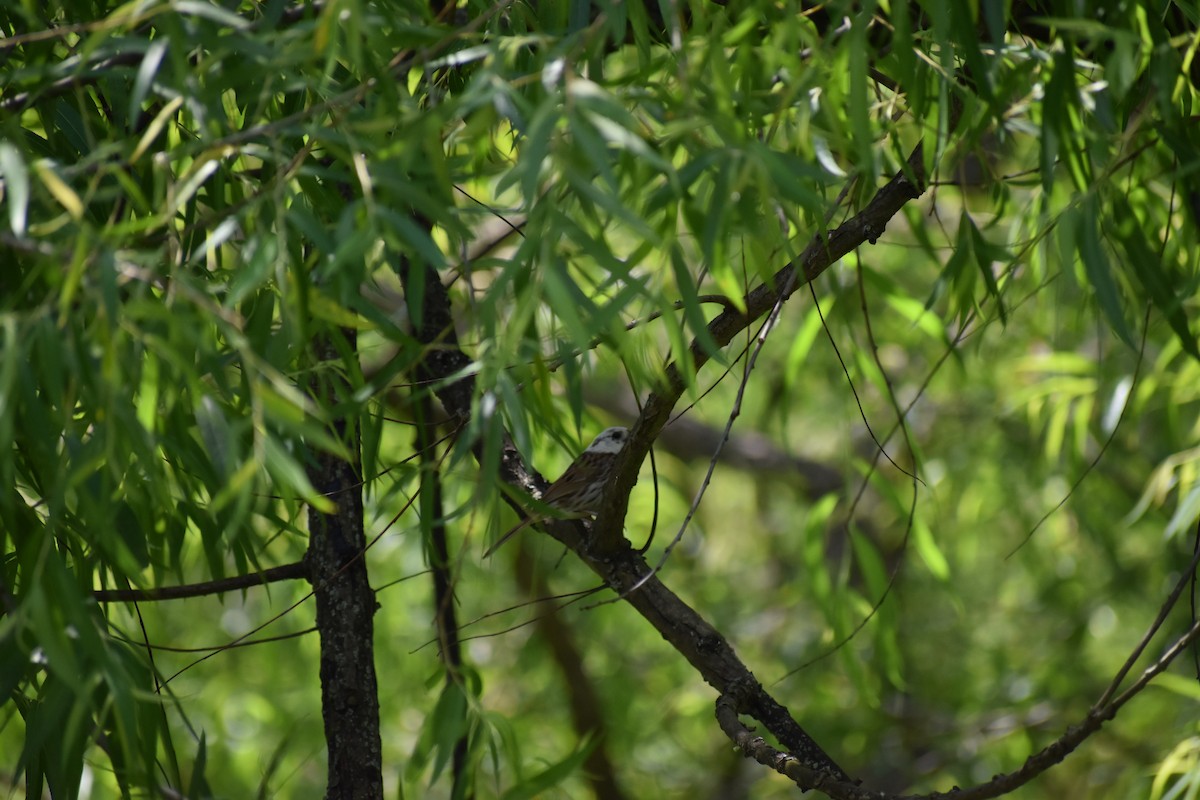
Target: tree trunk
[{"x": 345, "y": 607}]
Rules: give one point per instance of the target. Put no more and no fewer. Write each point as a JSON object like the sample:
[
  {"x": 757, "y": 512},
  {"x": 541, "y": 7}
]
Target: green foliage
[{"x": 197, "y": 192}]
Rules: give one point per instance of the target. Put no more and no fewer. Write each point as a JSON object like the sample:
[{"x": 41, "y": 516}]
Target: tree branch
[
  {"x": 286, "y": 572},
  {"x": 441, "y": 568}
]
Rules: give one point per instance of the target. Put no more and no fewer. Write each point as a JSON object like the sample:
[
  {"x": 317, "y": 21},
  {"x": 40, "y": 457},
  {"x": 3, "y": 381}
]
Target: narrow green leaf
[
  {"x": 216, "y": 434},
  {"x": 553, "y": 775},
  {"x": 416, "y": 237},
  {"x": 145, "y": 76},
  {"x": 929, "y": 551},
  {"x": 1181, "y": 685},
  {"x": 966, "y": 46},
  {"x": 210, "y": 11},
  {"x": 200, "y": 173},
  {"x": 16, "y": 186},
  {"x": 10, "y": 347},
  {"x": 692, "y": 310},
  {"x": 58, "y": 188},
  {"x": 1185, "y": 513},
  {"x": 814, "y": 554},
  {"x": 592, "y": 149},
  {"x": 259, "y": 256},
  {"x": 1099, "y": 269},
  {"x": 1060, "y": 109},
  {"x": 155, "y": 128},
  {"x": 578, "y": 15},
  {"x": 448, "y": 723},
  {"x": 198, "y": 785},
  {"x": 1166, "y": 292},
  {"x": 859, "y": 101},
  {"x": 290, "y": 477},
  {"x": 573, "y": 308},
  {"x": 983, "y": 254},
  {"x": 1054, "y": 108},
  {"x": 870, "y": 562}
]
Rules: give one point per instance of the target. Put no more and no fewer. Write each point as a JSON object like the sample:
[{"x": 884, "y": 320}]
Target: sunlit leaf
[
  {"x": 16, "y": 186},
  {"x": 63, "y": 193}
]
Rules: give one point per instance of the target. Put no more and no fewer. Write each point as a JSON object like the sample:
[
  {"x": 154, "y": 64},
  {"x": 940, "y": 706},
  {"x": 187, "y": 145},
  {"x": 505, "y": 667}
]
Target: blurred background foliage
[{"x": 193, "y": 192}]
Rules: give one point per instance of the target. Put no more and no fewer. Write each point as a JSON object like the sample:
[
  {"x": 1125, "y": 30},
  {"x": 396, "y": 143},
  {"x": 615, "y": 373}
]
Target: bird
[{"x": 577, "y": 491}]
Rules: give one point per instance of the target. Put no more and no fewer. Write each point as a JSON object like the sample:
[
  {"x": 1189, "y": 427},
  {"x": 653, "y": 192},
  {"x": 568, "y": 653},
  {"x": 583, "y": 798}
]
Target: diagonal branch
[{"x": 823, "y": 251}]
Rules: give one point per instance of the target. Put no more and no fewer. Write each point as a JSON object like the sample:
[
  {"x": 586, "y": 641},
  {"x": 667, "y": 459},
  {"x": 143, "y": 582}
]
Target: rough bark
[{"x": 345, "y": 606}]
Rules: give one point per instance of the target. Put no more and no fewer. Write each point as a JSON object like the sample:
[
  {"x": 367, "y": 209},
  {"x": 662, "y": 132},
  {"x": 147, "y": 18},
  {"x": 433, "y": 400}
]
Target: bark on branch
[{"x": 235, "y": 583}]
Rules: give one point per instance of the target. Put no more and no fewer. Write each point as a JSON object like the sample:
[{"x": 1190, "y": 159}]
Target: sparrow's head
[{"x": 610, "y": 441}]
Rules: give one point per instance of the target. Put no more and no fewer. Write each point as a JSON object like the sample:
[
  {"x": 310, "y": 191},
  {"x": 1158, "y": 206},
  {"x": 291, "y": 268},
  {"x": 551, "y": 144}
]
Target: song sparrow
[{"x": 577, "y": 491}]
